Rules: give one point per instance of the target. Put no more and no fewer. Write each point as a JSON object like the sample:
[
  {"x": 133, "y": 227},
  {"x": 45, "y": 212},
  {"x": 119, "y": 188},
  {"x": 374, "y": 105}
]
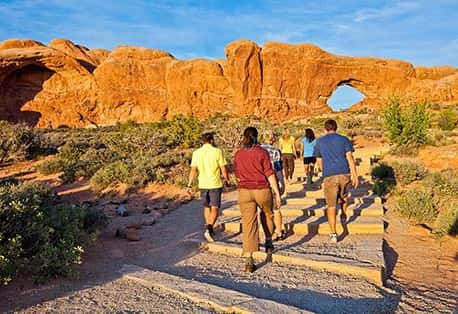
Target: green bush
[
  {"x": 40, "y": 237},
  {"x": 382, "y": 171},
  {"x": 408, "y": 171},
  {"x": 383, "y": 187},
  {"x": 417, "y": 205},
  {"x": 116, "y": 172},
  {"x": 447, "y": 221},
  {"x": 448, "y": 120},
  {"x": 407, "y": 126},
  {"x": 17, "y": 142},
  {"x": 184, "y": 131}
]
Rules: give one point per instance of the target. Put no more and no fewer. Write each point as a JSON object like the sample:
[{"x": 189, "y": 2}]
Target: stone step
[
  {"x": 298, "y": 211},
  {"x": 217, "y": 298},
  {"x": 340, "y": 265},
  {"x": 316, "y": 225},
  {"x": 298, "y": 200}
]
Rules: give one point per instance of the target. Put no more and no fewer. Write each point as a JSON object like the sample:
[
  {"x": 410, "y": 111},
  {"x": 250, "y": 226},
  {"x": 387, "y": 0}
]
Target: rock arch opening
[
  {"x": 18, "y": 89},
  {"x": 344, "y": 97}
]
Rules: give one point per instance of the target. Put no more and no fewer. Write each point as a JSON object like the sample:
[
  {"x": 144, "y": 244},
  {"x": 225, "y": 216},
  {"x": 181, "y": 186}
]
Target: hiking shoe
[
  {"x": 333, "y": 237},
  {"x": 281, "y": 236},
  {"x": 208, "y": 235},
  {"x": 250, "y": 267}
]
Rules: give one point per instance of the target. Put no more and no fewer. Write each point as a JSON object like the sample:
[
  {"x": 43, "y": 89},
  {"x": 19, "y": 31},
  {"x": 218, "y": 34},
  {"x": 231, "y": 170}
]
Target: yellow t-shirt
[
  {"x": 287, "y": 146},
  {"x": 208, "y": 160}
]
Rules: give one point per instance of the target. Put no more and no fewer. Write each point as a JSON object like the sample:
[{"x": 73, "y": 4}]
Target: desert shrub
[
  {"x": 17, "y": 141},
  {"x": 448, "y": 120},
  {"x": 447, "y": 221},
  {"x": 444, "y": 183},
  {"x": 116, "y": 172},
  {"x": 47, "y": 167},
  {"x": 382, "y": 171},
  {"x": 40, "y": 237},
  {"x": 408, "y": 171},
  {"x": 417, "y": 204},
  {"x": 183, "y": 131},
  {"x": 383, "y": 187},
  {"x": 407, "y": 126}
]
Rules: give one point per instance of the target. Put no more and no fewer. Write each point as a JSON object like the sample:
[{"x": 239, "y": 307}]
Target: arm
[
  {"x": 294, "y": 149},
  {"x": 192, "y": 176},
  {"x": 225, "y": 173},
  {"x": 301, "y": 147},
  {"x": 319, "y": 161},
  {"x": 274, "y": 185},
  {"x": 354, "y": 173}
]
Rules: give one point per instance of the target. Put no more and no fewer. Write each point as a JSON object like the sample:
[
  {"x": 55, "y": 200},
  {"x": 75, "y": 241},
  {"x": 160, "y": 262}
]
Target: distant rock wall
[{"x": 68, "y": 84}]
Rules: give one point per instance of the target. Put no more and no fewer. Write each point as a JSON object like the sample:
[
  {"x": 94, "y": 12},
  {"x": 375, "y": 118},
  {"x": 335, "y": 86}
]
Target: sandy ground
[{"x": 423, "y": 271}]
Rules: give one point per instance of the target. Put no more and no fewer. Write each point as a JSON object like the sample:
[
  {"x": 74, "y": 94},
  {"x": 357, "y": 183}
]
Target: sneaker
[
  {"x": 250, "y": 267},
  {"x": 208, "y": 235},
  {"x": 279, "y": 237},
  {"x": 333, "y": 237}
]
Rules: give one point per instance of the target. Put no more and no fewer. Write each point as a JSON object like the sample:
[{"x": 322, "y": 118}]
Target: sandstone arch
[{"x": 58, "y": 88}]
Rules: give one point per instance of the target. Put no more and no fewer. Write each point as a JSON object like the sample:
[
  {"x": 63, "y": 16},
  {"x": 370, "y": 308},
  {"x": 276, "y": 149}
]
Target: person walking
[
  {"x": 288, "y": 150},
  {"x": 208, "y": 161},
  {"x": 308, "y": 143},
  {"x": 277, "y": 164},
  {"x": 255, "y": 178},
  {"x": 335, "y": 159}
]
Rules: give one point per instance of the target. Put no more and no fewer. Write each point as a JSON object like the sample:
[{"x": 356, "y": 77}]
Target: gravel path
[{"x": 120, "y": 296}]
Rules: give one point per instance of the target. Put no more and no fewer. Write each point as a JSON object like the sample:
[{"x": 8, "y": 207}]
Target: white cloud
[{"x": 396, "y": 9}]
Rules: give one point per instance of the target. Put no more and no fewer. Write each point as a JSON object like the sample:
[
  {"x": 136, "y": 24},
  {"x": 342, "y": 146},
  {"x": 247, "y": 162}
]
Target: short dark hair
[
  {"x": 208, "y": 138},
  {"x": 330, "y": 125}
]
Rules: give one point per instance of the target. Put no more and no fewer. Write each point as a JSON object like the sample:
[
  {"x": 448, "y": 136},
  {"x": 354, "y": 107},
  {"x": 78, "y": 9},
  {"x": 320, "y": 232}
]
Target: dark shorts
[
  {"x": 309, "y": 160},
  {"x": 211, "y": 197}
]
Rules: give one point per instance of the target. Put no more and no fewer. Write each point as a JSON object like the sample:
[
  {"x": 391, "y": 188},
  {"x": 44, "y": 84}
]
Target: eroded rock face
[{"x": 68, "y": 84}]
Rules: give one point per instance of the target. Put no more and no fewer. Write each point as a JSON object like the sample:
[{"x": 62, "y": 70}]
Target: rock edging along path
[{"x": 220, "y": 299}]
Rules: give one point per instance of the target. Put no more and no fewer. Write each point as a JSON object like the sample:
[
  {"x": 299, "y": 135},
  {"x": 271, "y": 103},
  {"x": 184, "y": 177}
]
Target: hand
[
  {"x": 354, "y": 181},
  {"x": 277, "y": 201},
  {"x": 189, "y": 191}
]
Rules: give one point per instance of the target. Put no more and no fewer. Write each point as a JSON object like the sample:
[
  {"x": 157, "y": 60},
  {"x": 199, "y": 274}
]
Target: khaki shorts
[{"x": 336, "y": 188}]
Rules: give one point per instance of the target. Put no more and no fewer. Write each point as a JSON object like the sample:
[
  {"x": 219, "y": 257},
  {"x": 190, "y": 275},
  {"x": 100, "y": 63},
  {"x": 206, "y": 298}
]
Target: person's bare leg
[
  {"x": 213, "y": 216},
  {"x": 344, "y": 207},
  {"x": 278, "y": 223},
  {"x": 331, "y": 213},
  {"x": 207, "y": 214}
]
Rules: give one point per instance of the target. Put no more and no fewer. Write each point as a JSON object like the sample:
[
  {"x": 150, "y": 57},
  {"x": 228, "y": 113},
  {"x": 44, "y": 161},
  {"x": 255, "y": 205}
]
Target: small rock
[
  {"x": 121, "y": 210},
  {"x": 147, "y": 210},
  {"x": 121, "y": 232},
  {"x": 156, "y": 214},
  {"x": 164, "y": 211},
  {"x": 134, "y": 226},
  {"x": 174, "y": 205},
  {"x": 132, "y": 234},
  {"x": 148, "y": 221}
]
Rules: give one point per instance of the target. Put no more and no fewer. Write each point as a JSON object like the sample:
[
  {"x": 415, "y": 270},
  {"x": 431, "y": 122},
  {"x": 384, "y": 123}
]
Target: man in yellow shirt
[{"x": 209, "y": 162}]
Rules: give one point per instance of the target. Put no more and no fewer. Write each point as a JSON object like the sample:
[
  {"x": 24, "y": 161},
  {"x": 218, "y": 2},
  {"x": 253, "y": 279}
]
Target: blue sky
[{"x": 422, "y": 32}]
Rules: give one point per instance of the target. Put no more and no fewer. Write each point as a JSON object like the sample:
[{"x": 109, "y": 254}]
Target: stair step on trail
[
  {"x": 318, "y": 225},
  {"x": 320, "y": 258},
  {"x": 315, "y": 210}
]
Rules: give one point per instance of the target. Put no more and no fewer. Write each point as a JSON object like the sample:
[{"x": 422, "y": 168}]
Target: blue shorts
[{"x": 211, "y": 197}]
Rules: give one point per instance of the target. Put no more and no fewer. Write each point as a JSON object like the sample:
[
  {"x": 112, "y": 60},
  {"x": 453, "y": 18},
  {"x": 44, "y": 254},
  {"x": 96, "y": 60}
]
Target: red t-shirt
[{"x": 252, "y": 168}]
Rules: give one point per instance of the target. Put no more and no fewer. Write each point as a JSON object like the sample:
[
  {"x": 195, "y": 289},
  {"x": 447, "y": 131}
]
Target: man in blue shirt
[{"x": 335, "y": 158}]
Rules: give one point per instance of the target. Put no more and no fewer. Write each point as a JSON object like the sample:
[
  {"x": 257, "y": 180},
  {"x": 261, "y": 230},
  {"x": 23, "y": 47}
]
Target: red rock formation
[{"x": 68, "y": 84}]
